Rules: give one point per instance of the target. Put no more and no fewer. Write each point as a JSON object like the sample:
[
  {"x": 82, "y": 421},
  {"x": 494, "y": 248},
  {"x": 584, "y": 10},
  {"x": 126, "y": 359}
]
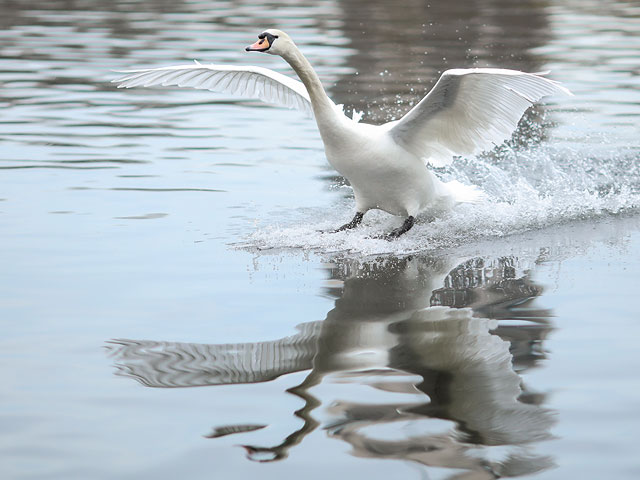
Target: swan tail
[{"x": 462, "y": 193}]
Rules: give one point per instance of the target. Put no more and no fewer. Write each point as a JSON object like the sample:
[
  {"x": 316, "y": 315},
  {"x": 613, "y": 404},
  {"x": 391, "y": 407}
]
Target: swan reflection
[{"x": 424, "y": 328}]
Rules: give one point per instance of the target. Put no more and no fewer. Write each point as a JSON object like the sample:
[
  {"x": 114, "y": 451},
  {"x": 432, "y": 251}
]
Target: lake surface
[{"x": 169, "y": 308}]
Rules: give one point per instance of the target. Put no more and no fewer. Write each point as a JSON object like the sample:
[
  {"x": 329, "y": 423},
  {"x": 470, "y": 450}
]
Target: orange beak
[{"x": 260, "y": 46}]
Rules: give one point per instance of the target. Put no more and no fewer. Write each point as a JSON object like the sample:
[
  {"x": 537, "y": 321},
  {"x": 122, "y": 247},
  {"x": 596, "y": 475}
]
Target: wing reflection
[
  {"x": 174, "y": 364},
  {"x": 420, "y": 327}
]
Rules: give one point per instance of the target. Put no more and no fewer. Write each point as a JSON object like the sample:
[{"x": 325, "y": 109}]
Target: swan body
[{"x": 466, "y": 112}]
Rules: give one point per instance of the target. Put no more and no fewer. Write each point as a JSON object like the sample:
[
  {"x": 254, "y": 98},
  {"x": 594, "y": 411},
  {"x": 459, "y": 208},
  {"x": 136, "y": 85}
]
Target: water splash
[{"x": 528, "y": 187}]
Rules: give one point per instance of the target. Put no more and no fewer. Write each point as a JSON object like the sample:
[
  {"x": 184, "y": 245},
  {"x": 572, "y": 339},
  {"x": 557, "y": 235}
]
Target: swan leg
[
  {"x": 404, "y": 228},
  {"x": 357, "y": 220}
]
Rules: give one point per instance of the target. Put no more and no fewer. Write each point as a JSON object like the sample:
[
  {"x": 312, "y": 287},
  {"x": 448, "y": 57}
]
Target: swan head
[{"x": 272, "y": 41}]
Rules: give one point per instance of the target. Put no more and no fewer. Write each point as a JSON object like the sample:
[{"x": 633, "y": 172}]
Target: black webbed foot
[
  {"x": 357, "y": 220},
  {"x": 404, "y": 228}
]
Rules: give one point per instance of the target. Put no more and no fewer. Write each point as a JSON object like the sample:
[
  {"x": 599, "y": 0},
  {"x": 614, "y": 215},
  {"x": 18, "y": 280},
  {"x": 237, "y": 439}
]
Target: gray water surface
[{"x": 170, "y": 309}]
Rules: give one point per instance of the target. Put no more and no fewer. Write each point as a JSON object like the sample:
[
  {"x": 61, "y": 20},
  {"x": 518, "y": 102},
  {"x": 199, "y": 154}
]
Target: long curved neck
[{"x": 323, "y": 107}]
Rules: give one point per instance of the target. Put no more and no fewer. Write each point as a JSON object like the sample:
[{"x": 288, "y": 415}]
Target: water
[{"x": 166, "y": 298}]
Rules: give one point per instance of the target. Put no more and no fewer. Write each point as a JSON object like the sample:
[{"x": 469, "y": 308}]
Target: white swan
[{"x": 467, "y": 111}]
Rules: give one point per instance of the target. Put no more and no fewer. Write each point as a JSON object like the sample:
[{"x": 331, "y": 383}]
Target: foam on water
[{"x": 527, "y": 187}]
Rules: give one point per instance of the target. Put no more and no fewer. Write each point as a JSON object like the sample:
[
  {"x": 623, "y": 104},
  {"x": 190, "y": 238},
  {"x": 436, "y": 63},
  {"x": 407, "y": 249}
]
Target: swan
[{"x": 466, "y": 112}]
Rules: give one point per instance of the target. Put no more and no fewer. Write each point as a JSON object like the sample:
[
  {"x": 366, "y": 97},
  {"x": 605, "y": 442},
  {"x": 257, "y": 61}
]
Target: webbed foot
[
  {"x": 357, "y": 220},
  {"x": 404, "y": 228}
]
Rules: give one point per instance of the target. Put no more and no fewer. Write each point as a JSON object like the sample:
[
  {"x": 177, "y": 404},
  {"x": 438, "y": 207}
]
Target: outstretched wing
[
  {"x": 469, "y": 111},
  {"x": 247, "y": 81}
]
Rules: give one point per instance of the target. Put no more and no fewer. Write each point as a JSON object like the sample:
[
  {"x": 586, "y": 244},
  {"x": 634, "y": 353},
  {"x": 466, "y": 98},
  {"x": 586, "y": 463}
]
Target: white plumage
[
  {"x": 466, "y": 112},
  {"x": 470, "y": 111},
  {"x": 245, "y": 81}
]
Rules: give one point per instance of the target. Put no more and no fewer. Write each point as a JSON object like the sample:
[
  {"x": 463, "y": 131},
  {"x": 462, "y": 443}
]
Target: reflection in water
[{"x": 402, "y": 326}]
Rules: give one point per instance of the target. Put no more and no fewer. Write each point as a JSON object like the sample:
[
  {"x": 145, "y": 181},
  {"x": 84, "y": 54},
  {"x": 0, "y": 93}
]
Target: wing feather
[
  {"x": 469, "y": 111},
  {"x": 248, "y": 81}
]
